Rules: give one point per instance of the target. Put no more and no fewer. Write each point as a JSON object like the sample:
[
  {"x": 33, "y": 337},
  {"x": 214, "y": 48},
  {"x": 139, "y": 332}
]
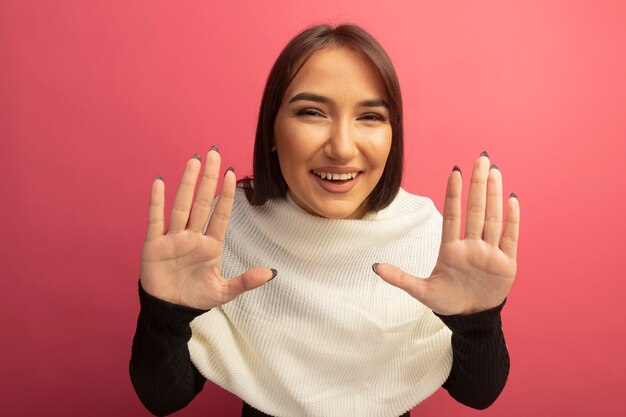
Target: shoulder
[{"x": 408, "y": 204}]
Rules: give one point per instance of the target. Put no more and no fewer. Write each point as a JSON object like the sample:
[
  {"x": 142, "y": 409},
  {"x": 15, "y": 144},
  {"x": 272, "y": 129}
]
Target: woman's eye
[
  {"x": 373, "y": 116},
  {"x": 309, "y": 112}
]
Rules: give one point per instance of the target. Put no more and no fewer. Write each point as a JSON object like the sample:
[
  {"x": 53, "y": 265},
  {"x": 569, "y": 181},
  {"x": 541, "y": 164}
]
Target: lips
[{"x": 336, "y": 179}]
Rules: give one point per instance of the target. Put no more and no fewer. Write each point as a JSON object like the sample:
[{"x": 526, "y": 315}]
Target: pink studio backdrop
[{"x": 96, "y": 98}]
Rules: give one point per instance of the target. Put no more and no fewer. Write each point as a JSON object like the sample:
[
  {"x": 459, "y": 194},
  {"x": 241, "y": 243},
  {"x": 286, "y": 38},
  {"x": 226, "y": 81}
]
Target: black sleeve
[
  {"x": 166, "y": 380},
  {"x": 161, "y": 370},
  {"x": 480, "y": 359}
]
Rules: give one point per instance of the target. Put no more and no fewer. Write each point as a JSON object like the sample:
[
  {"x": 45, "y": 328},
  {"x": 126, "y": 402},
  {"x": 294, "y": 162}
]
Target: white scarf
[{"x": 327, "y": 337}]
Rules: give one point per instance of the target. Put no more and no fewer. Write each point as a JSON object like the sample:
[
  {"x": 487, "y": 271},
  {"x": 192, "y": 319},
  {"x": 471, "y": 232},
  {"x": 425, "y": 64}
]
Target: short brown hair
[{"x": 267, "y": 181}]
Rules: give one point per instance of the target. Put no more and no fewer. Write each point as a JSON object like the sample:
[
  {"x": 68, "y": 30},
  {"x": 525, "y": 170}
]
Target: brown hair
[{"x": 267, "y": 181}]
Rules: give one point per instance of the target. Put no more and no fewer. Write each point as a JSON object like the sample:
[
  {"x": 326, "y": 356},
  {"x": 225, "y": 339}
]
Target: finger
[
  {"x": 416, "y": 287},
  {"x": 206, "y": 192},
  {"x": 493, "y": 212},
  {"x": 221, "y": 214},
  {"x": 452, "y": 208},
  {"x": 511, "y": 227},
  {"x": 156, "y": 211},
  {"x": 249, "y": 280},
  {"x": 477, "y": 198},
  {"x": 184, "y": 195}
]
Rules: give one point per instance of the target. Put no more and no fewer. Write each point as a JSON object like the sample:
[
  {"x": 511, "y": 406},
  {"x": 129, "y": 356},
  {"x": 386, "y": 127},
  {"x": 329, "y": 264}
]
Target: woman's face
[{"x": 333, "y": 134}]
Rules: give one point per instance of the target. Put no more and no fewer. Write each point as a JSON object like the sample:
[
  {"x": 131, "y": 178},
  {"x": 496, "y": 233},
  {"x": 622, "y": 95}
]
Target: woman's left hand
[{"x": 473, "y": 273}]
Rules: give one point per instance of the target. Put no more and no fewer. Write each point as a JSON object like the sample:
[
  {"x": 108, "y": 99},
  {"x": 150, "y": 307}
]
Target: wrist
[
  {"x": 162, "y": 307},
  {"x": 481, "y": 321}
]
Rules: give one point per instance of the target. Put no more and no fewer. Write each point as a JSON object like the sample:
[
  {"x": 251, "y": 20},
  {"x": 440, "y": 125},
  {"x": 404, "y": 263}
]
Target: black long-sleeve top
[{"x": 166, "y": 380}]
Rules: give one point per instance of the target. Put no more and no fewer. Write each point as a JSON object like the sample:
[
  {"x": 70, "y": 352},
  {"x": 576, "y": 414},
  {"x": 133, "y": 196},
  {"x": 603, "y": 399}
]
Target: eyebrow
[{"x": 322, "y": 99}]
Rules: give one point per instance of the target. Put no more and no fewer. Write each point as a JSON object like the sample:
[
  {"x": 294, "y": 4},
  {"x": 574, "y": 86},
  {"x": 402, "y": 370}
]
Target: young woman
[{"x": 378, "y": 301}]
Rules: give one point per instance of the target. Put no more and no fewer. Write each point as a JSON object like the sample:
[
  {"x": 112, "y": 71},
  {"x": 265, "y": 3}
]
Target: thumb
[
  {"x": 249, "y": 280},
  {"x": 416, "y": 287}
]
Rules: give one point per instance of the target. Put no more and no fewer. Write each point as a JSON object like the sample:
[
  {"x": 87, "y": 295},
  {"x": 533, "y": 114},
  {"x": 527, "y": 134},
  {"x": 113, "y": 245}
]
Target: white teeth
[{"x": 336, "y": 177}]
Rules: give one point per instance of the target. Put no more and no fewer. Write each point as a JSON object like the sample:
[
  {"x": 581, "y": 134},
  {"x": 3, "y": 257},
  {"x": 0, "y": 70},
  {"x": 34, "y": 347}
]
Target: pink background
[{"x": 96, "y": 98}]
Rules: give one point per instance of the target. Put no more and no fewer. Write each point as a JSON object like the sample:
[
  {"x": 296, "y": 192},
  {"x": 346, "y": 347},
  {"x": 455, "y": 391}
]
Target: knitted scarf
[{"x": 327, "y": 336}]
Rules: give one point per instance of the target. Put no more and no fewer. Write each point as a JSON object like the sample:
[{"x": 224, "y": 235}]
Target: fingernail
[
  {"x": 229, "y": 169},
  {"x": 374, "y": 265},
  {"x": 513, "y": 195},
  {"x": 494, "y": 166},
  {"x": 456, "y": 168},
  {"x": 158, "y": 177},
  {"x": 274, "y": 273},
  {"x": 484, "y": 153},
  {"x": 214, "y": 148},
  {"x": 196, "y": 156}
]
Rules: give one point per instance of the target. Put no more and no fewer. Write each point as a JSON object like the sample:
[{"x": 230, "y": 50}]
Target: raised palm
[
  {"x": 183, "y": 265},
  {"x": 474, "y": 273}
]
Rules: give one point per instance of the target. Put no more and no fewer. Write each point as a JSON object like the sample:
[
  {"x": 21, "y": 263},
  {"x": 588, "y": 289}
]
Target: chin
[{"x": 332, "y": 208}]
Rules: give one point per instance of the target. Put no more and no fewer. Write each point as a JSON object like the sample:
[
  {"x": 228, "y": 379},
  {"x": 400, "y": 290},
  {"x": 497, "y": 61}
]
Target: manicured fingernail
[
  {"x": 158, "y": 177},
  {"x": 374, "y": 265},
  {"x": 196, "y": 156},
  {"x": 274, "y": 273},
  {"x": 493, "y": 166},
  {"x": 513, "y": 195},
  {"x": 214, "y": 148},
  {"x": 484, "y": 153},
  {"x": 456, "y": 168}
]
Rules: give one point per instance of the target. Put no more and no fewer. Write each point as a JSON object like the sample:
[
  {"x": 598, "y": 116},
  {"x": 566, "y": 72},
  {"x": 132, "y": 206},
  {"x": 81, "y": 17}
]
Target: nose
[{"x": 342, "y": 143}]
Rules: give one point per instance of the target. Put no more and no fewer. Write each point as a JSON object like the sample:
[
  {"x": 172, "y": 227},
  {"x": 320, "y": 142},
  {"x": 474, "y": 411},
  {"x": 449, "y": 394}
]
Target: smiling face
[{"x": 332, "y": 133}]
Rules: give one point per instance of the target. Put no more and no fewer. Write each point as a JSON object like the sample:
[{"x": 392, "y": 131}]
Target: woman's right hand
[{"x": 183, "y": 265}]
